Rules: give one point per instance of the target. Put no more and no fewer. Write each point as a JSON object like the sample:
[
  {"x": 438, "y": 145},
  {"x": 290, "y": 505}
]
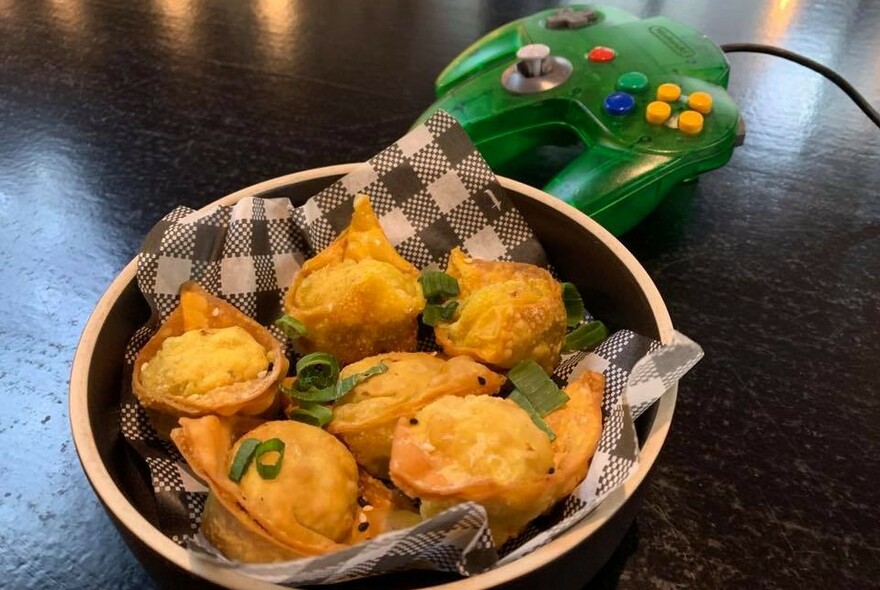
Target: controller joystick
[
  {"x": 535, "y": 70},
  {"x": 646, "y": 98},
  {"x": 533, "y": 60}
]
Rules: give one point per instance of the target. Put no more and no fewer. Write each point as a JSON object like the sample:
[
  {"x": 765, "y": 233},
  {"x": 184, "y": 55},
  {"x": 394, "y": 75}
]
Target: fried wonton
[
  {"x": 476, "y": 448},
  {"x": 382, "y": 509},
  {"x": 208, "y": 358},
  {"x": 309, "y": 508},
  {"x": 508, "y": 312},
  {"x": 358, "y": 297},
  {"x": 577, "y": 426},
  {"x": 366, "y": 417}
]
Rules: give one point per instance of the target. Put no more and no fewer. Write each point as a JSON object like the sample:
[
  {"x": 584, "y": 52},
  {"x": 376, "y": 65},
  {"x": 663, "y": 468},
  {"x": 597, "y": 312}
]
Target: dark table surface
[{"x": 111, "y": 113}]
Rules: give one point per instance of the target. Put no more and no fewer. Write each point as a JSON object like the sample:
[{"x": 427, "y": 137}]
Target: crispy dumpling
[
  {"x": 309, "y": 508},
  {"x": 577, "y": 426},
  {"x": 476, "y": 448},
  {"x": 208, "y": 358},
  {"x": 382, "y": 509},
  {"x": 358, "y": 297},
  {"x": 508, "y": 312},
  {"x": 366, "y": 417}
]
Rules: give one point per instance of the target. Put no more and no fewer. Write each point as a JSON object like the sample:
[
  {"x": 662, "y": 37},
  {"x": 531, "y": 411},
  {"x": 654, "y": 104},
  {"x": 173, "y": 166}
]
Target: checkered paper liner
[{"x": 431, "y": 191}]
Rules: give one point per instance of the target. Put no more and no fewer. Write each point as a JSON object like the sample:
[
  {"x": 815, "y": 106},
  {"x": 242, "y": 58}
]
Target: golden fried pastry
[
  {"x": 366, "y": 417},
  {"x": 358, "y": 297},
  {"x": 309, "y": 507},
  {"x": 476, "y": 448},
  {"x": 577, "y": 426},
  {"x": 382, "y": 509},
  {"x": 208, "y": 358},
  {"x": 508, "y": 312}
]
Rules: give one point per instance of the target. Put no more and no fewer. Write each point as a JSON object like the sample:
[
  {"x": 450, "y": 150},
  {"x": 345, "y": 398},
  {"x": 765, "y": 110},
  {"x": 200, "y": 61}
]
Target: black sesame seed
[
  {"x": 413, "y": 421},
  {"x": 551, "y": 471},
  {"x": 362, "y": 501},
  {"x": 363, "y": 526},
  {"x": 481, "y": 380}
]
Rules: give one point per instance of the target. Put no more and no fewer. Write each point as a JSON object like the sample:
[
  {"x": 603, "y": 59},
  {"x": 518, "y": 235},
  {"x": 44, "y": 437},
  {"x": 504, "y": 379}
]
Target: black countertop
[{"x": 112, "y": 112}]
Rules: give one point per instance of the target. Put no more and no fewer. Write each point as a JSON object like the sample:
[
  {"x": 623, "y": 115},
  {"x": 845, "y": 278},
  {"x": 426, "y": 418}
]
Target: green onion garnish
[
  {"x": 292, "y": 327},
  {"x": 316, "y": 371},
  {"x": 435, "y": 313},
  {"x": 309, "y": 413},
  {"x": 574, "y": 305},
  {"x": 522, "y": 401},
  {"x": 437, "y": 286},
  {"x": 533, "y": 382},
  {"x": 308, "y": 393},
  {"x": 243, "y": 458},
  {"x": 585, "y": 337},
  {"x": 269, "y": 470},
  {"x": 347, "y": 384}
]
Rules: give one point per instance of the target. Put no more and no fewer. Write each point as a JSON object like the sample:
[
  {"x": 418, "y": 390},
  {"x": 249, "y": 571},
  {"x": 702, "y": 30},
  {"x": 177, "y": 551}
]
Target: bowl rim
[{"x": 126, "y": 514}]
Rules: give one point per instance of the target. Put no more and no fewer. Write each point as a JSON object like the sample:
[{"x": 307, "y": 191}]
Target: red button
[{"x": 601, "y": 54}]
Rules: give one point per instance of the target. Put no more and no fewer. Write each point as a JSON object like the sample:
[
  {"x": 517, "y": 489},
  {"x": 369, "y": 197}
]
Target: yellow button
[
  {"x": 690, "y": 122},
  {"x": 668, "y": 92},
  {"x": 657, "y": 112},
  {"x": 700, "y": 102}
]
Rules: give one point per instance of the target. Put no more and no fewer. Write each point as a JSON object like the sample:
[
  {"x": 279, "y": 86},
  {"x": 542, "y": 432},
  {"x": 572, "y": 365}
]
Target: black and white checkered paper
[{"x": 432, "y": 191}]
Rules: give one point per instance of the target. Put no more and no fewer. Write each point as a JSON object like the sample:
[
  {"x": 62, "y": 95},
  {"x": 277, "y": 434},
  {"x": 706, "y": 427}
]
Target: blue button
[{"x": 619, "y": 104}]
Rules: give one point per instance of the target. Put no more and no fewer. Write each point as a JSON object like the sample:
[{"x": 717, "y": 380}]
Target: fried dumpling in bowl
[
  {"x": 358, "y": 297},
  {"x": 476, "y": 448},
  {"x": 208, "y": 358},
  {"x": 382, "y": 509},
  {"x": 309, "y": 507},
  {"x": 577, "y": 426},
  {"x": 507, "y": 312},
  {"x": 366, "y": 417}
]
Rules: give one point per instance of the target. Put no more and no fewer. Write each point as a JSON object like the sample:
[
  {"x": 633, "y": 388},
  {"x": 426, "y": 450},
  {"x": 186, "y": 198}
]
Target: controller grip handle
[
  {"x": 498, "y": 46},
  {"x": 602, "y": 181}
]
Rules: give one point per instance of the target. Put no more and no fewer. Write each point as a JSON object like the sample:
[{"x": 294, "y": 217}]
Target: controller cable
[{"x": 797, "y": 58}]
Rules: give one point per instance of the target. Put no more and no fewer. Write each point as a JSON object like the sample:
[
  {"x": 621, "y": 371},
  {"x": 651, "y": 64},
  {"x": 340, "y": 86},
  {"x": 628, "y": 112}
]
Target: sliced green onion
[
  {"x": 585, "y": 337},
  {"x": 574, "y": 305},
  {"x": 522, "y": 401},
  {"x": 309, "y": 413},
  {"x": 292, "y": 327},
  {"x": 243, "y": 458},
  {"x": 312, "y": 395},
  {"x": 449, "y": 310},
  {"x": 269, "y": 470},
  {"x": 316, "y": 371},
  {"x": 347, "y": 384},
  {"x": 534, "y": 384},
  {"x": 331, "y": 392},
  {"x": 437, "y": 286},
  {"x": 434, "y": 313}
]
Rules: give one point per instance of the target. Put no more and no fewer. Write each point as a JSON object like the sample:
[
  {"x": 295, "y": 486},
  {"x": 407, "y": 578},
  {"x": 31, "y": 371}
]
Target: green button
[{"x": 632, "y": 82}]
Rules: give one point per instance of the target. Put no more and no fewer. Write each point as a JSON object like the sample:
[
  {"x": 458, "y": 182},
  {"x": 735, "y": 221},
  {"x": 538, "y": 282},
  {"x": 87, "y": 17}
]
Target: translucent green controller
[{"x": 646, "y": 97}]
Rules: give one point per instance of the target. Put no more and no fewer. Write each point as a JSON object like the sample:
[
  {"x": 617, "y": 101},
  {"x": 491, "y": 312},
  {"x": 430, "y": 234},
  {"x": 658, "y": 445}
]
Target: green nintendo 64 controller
[{"x": 646, "y": 97}]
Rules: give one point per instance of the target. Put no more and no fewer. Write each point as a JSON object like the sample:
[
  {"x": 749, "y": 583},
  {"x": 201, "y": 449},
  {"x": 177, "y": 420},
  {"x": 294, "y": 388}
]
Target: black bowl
[{"x": 616, "y": 288}]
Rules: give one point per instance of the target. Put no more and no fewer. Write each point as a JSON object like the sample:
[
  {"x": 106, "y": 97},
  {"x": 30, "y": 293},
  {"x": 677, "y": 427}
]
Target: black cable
[{"x": 839, "y": 80}]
